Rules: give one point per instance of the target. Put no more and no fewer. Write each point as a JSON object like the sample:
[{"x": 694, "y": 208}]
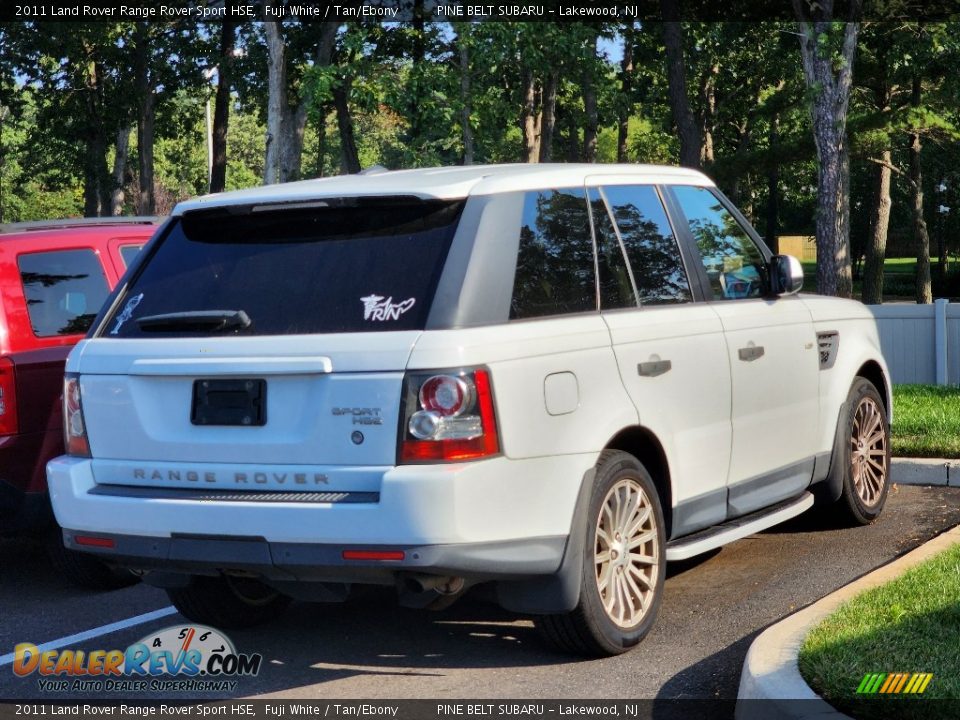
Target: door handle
[
  {"x": 654, "y": 368},
  {"x": 751, "y": 353}
]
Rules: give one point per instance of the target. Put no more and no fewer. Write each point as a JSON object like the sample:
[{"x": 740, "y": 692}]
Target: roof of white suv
[{"x": 448, "y": 183}]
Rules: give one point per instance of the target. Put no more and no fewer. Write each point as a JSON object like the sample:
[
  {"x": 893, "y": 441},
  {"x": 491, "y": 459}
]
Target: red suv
[{"x": 54, "y": 276}]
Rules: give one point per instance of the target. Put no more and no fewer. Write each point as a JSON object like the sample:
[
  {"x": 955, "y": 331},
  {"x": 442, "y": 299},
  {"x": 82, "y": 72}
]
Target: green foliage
[{"x": 405, "y": 88}]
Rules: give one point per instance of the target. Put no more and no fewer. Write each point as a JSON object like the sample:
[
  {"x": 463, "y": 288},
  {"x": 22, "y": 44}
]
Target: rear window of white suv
[{"x": 355, "y": 265}]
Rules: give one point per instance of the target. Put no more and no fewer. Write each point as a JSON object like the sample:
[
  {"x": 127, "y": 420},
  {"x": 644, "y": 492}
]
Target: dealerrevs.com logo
[{"x": 182, "y": 658}]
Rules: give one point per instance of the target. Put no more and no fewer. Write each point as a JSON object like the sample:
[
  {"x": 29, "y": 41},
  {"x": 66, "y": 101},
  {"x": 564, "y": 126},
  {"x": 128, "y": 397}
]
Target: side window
[
  {"x": 555, "y": 260},
  {"x": 733, "y": 262},
  {"x": 64, "y": 290},
  {"x": 128, "y": 253},
  {"x": 616, "y": 290},
  {"x": 653, "y": 251}
]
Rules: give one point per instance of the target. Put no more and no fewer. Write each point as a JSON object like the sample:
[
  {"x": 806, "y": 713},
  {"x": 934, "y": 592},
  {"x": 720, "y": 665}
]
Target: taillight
[
  {"x": 9, "y": 423},
  {"x": 448, "y": 416},
  {"x": 74, "y": 429}
]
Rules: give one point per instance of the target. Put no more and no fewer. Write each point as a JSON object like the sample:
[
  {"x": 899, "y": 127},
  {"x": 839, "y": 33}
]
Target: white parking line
[{"x": 96, "y": 632}]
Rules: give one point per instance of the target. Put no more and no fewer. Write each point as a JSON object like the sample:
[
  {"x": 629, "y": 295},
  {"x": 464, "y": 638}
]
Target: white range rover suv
[{"x": 552, "y": 378}]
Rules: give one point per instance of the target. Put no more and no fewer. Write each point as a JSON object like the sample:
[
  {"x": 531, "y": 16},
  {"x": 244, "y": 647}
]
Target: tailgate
[{"x": 261, "y": 412}]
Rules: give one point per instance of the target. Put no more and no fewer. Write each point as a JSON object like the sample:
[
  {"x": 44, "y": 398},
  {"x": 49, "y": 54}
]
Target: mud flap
[
  {"x": 829, "y": 490},
  {"x": 560, "y": 592}
]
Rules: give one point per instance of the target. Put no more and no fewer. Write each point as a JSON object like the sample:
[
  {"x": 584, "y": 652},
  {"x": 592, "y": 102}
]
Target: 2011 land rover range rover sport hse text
[{"x": 553, "y": 378}]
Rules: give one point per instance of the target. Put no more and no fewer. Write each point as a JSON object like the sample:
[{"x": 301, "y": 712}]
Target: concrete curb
[
  {"x": 925, "y": 471},
  {"x": 770, "y": 671}
]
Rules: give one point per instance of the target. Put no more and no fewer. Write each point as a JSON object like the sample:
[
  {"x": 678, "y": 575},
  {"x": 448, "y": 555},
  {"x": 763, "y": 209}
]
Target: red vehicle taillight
[
  {"x": 74, "y": 428},
  {"x": 448, "y": 416},
  {"x": 9, "y": 423}
]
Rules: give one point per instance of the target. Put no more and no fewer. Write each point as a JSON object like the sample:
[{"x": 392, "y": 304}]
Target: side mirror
[{"x": 786, "y": 275}]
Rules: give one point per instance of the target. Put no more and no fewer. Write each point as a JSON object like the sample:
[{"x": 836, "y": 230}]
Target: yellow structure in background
[{"x": 802, "y": 247}]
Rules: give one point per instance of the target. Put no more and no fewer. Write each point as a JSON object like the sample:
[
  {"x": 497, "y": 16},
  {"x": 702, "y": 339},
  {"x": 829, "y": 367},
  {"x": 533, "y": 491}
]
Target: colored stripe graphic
[
  {"x": 871, "y": 683},
  {"x": 890, "y": 682},
  {"x": 894, "y": 683}
]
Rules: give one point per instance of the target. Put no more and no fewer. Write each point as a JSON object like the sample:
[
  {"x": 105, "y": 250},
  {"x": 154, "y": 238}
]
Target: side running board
[{"x": 712, "y": 538}]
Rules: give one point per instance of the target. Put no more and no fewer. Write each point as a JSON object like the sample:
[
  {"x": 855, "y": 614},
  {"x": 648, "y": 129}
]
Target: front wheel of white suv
[
  {"x": 624, "y": 564},
  {"x": 227, "y": 602},
  {"x": 863, "y": 444}
]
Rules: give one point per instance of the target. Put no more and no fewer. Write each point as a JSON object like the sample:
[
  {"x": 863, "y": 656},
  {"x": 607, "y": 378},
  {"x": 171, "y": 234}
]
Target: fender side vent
[{"x": 828, "y": 343}]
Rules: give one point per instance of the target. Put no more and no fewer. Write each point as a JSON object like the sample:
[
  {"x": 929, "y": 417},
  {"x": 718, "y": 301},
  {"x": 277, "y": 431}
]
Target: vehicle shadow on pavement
[
  {"x": 709, "y": 681},
  {"x": 371, "y": 633}
]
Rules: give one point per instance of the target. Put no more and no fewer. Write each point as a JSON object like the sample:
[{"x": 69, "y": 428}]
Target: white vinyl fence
[{"x": 921, "y": 342}]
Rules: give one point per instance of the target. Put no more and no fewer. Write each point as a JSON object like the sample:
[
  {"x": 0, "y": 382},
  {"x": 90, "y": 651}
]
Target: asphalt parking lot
[{"x": 713, "y": 608}]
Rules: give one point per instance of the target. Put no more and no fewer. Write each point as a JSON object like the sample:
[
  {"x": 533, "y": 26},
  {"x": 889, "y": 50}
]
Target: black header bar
[{"x": 345, "y": 11}]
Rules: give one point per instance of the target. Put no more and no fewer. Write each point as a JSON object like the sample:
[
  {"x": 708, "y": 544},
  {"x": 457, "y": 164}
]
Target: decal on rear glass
[
  {"x": 127, "y": 312},
  {"x": 375, "y": 307}
]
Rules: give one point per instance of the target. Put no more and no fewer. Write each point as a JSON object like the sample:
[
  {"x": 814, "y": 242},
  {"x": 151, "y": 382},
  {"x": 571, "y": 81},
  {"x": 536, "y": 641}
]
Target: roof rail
[{"x": 35, "y": 225}]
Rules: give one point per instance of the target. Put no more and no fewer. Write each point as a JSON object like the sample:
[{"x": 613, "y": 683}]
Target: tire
[
  {"x": 227, "y": 602},
  {"x": 620, "y": 592},
  {"x": 864, "y": 460},
  {"x": 84, "y": 570}
]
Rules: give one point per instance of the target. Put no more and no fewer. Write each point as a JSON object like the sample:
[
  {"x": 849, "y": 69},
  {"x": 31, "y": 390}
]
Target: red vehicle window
[
  {"x": 128, "y": 253},
  {"x": 64, "y": 290}
]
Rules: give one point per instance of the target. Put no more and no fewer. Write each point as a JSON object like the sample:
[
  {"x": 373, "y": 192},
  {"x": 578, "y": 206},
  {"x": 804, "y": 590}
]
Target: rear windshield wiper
[{"x": 200, "y": 320}]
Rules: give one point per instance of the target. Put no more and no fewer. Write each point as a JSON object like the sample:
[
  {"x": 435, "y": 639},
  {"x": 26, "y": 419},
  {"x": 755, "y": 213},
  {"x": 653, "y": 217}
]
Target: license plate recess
[{"x": 229, "y": 401}]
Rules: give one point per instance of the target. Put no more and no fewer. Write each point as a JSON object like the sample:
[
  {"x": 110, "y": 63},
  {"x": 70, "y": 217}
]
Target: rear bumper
[
  {"x": 497, "y": 518},
  {"x": 315, "y": 562}
]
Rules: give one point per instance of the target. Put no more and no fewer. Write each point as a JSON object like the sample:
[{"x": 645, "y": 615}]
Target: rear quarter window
[
  {"x": 362, "y": 265},
  {"x": 64, "y": 290},
  {"x": 555, "y": 267}
]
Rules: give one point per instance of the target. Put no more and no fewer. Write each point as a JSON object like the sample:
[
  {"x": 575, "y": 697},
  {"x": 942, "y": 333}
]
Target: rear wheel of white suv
[
  {"x": 624, "y": 564},
  {"x": 227, "y": 602}
]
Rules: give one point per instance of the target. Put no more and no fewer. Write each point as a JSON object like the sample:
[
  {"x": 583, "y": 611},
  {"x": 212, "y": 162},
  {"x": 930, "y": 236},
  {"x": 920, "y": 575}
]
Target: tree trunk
[
  {"x": 592, "y": 119},
  {"x": 221, "y": 111},
  {"x": 324, "y": 58},
  {"x": 746, "y": 203},
  {"x": 321, "y": 142},
  {"x": 528, "y": 119},
  {"x": 349, "y": 158},
  {"x": 291, "y": 149},
  {"x": 276, "y": 100},
  {"x": 920, "y": 235},
  {"x": 677, "y": 91},
  {"x": 145, "y": 134},
  {"x": 876, "y": 251},
  {"x": 573, "y": 138},
  {"x": 96, "y": 188},
  {"x": 626, "y": 92},
  {"x": 872, "y": 293},
  {"x": 466, "y": 99},
  {"x": 743, "y": 145},
  {"x": 548, "y": 117},
  {"x": 91, "y": 191},
  {"x": 146, "y": 118},
  {"x": 772, "y": 234},
  {"x": 831, "y": 97},
  {"x": 708, "y": 100},
  {"x": 120, "y": 170},
  {"x": 591, "y": 116}
]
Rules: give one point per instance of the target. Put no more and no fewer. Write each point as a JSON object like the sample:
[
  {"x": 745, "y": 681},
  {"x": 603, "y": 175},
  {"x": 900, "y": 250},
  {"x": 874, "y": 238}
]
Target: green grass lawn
[
  {"x": 926, "y": 421},
  {"x": 911, "y": 625}
]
